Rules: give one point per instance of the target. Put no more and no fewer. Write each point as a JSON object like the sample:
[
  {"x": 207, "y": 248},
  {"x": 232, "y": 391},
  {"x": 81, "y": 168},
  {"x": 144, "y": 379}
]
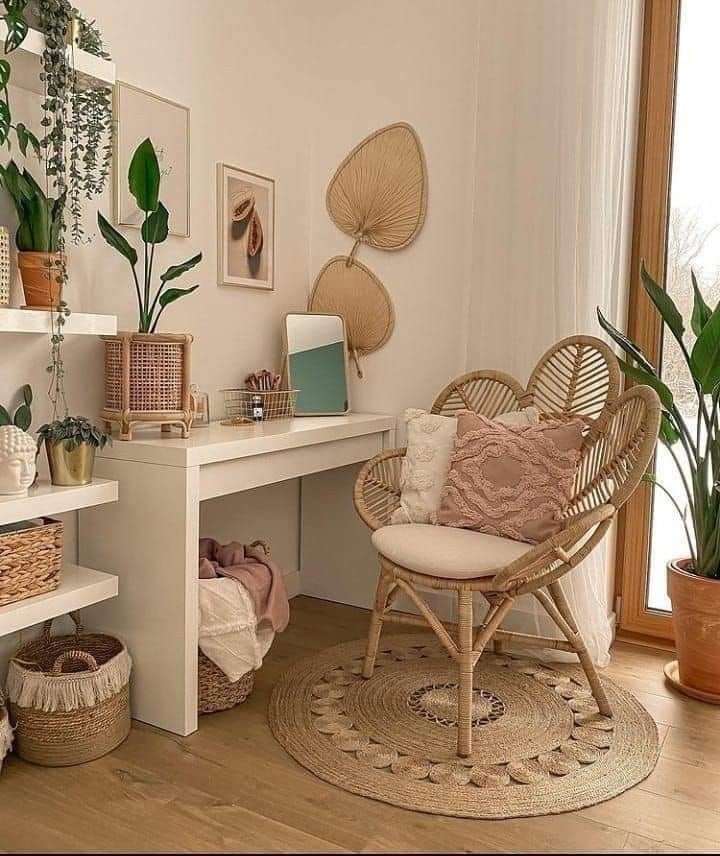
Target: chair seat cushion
[{"x": 441, "y": 551}]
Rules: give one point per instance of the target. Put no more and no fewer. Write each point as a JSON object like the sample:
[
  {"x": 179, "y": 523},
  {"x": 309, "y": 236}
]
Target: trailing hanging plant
[
  {"x": 75, "y": 118},
  {"x": 144, "y": 182}
]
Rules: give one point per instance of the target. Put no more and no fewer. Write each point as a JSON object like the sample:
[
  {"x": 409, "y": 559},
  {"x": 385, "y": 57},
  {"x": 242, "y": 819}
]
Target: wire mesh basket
[{"x": 248, "y": 405}]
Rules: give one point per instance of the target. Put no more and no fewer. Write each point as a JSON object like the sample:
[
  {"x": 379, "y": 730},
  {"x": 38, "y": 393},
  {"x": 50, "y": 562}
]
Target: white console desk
[{"x": 149, "y": 538}]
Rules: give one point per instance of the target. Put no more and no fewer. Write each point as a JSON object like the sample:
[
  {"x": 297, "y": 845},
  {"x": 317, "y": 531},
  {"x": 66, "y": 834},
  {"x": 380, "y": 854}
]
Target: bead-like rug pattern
[{"x": 539, "y": 744}]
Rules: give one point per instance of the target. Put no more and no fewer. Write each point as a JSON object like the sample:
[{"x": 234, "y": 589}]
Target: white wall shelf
[
  {"x": 44, "y": 499},
  {"x": 25, "y": 62},
  {"x": 79, "y": 587},
  {"x": 37, "y": 321}
]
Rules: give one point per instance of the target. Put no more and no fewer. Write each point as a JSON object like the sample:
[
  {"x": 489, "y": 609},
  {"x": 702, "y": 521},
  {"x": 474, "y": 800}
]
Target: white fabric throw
[{"x": 229, "y": 634}]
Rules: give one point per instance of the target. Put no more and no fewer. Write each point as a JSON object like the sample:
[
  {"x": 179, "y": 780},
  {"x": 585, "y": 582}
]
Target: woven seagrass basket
[
  {"x": 147, "y": 380},
  {"x": 69, "y": 697},
  {"x": 216, "y": 691},
  {"x": 30, "y": 560}
]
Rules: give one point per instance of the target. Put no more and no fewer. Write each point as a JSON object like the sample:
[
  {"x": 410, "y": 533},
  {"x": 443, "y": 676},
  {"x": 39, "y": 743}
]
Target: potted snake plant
[
  {"x": 147, "y": 377},
  {"x": 693, "y": 580},
  {"x": 37, "y": 237}
]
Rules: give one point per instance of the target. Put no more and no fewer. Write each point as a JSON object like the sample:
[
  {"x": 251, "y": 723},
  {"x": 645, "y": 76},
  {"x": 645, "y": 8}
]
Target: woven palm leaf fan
[
  {"x": 378, "y": 194},
  {"x": 346, "y": 287}
]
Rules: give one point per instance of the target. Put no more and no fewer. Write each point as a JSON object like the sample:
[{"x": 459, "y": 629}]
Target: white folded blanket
[{"x": 228, "y": 631}]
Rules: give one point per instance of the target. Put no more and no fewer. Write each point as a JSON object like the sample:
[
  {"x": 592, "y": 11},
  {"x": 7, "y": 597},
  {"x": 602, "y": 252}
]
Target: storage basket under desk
[{"x": 30, "y": 559}]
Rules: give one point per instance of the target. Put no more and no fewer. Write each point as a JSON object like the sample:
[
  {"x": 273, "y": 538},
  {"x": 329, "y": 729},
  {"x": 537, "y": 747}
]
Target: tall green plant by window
[
  {"x": 144, "y": 183},
  {"x": 695, "y": 450}
]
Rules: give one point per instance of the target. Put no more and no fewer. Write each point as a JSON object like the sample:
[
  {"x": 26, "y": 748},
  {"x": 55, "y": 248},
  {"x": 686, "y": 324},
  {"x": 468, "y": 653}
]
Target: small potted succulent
[
  {"x": 147, "y": 374},
  {"x": 37, "y": 238},
  {"x": 694, "y": 445},
  {"x": 70, "y": 444}
]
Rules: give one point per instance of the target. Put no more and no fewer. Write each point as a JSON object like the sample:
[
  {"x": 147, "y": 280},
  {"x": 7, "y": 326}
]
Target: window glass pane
[{"x": 693, "y": 242}]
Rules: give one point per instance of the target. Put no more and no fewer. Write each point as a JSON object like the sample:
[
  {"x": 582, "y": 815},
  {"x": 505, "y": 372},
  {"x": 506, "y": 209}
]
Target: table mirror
[{"x": 316, "y": 354}]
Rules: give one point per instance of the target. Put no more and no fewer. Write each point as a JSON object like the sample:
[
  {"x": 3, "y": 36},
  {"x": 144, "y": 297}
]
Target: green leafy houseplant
[
  {"x": 40, "y": 217},
  {"x": 695, "y": 450},
  {"x": 73, "y": 431},
  {"x": 22, "y": 418},
  {"x": 144, "y": 182}
]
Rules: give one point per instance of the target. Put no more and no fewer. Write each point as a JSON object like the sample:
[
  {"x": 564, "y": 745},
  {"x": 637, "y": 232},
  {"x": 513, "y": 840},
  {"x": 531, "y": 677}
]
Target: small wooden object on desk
[{"x": 147, "y": 380}]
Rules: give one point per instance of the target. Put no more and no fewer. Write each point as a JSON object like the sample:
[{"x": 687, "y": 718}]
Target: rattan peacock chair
[{"x": 581, "y": 373}]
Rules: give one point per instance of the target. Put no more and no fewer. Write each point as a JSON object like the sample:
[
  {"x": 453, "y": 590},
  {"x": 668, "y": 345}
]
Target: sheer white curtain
[{"x": 552, "y": 223}]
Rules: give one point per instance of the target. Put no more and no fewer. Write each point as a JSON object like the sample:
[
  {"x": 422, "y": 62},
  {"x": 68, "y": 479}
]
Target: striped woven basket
[
  {"x": 69, "y": 697},
  {"x": 216, "y": 691}
]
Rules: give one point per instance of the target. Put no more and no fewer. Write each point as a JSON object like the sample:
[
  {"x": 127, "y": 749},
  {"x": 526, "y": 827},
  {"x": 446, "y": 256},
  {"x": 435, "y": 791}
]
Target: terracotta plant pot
[
  {"x": 696, "y": 620},
  {"x": 40, "y": 274}
]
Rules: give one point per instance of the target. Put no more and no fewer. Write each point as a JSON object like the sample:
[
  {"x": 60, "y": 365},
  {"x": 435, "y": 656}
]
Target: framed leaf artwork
[{"x": 140, "y": 114}]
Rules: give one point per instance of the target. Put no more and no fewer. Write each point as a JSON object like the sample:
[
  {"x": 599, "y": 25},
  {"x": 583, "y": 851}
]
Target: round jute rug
[{"x": 539, "y": 744}]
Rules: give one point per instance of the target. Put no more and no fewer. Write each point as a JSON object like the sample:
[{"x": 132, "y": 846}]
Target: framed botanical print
[
  {"x": 140, "y": 114},
  {"x": 246, "y": 228}
]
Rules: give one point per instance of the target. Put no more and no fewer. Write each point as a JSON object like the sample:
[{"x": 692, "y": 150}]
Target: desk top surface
[{"x": 216, "y": 443}]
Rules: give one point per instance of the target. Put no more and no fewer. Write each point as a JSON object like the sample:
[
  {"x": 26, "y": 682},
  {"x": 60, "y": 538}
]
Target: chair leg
[
  {"x": 376, "y": 622},
  {"x": 558, "y": 596},
  {"x": 466, "y": 663}
]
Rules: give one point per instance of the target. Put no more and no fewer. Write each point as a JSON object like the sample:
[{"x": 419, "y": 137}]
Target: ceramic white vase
[{"x": 17, "y": 460}]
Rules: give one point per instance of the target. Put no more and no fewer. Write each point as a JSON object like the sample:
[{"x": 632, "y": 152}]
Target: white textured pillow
[{"x": 425, "y": 467}]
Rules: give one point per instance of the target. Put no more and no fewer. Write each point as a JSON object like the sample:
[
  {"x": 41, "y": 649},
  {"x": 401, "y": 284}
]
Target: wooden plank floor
[{"x": 230, "y": 787}]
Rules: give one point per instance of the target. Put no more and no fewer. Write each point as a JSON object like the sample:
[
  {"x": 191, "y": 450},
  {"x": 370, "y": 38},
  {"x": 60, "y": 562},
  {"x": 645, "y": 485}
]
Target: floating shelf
[
  {"x": 79, "y": 587},
  {"x": 37, "y": 321},
  {"x": 45, "y": 499},
  {"x": 25, "y": 62}
]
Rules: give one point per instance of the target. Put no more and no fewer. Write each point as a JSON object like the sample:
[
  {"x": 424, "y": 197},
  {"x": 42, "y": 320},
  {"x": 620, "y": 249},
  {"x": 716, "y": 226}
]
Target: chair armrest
[
  {"x": 377, "y": 488},
  {"x": 538, "y": 561}
]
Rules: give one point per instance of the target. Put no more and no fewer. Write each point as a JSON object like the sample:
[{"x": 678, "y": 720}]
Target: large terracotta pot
[
  {"x": 696, "y": 620},
  {"x": 41, "y": 277}
]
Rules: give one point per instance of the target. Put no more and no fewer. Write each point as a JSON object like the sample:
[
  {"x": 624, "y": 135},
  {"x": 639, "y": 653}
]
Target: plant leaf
[
  {"x": 175, "y": 271},
  {"x": 26, "y": 392},
  {"x": 668, "y": 432},
  {"x": 26, "y": 137},
  {"x": 4, "y": 416},
  {"x": 144, "y": 176},
  {"x": 705, "y": 357},
  {"x": 641, "y": 376},
  {"x": 173, "y": 294},
  {"x": 701, "y": 311},
  {"x": 4, "y": 73},
  {"x": 116, "y": 240},
  {"x": 23, "y": 417},
  {"x": 663, "y": 303},
  {"x": 17, "y": 29},
  {"x": 630, "y": 348},
  {"x": 4, "y": 121},
  {"x": 155, "y": 228}
]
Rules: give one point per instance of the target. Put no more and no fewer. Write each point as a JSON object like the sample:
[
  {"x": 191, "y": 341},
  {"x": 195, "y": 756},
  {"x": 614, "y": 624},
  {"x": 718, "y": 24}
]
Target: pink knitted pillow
[{"x": 514, "y": 481}]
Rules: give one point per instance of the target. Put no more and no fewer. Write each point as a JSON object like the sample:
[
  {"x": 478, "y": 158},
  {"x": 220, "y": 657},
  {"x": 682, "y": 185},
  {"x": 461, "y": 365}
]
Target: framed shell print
[
  {"x": 246, "y": 228},
  {"x": 140, "y": 114}
]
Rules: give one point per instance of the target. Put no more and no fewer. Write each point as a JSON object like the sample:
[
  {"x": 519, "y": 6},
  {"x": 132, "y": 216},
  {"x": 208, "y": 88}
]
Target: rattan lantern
[{"x": 147, "y": 380}]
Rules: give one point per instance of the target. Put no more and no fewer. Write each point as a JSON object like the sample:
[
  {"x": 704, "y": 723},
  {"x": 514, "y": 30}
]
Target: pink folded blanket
[{"x": 251, "y": 567}]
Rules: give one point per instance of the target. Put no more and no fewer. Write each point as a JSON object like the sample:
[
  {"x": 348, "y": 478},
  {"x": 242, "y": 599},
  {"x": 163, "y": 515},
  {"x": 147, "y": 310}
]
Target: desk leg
[{"x": 149, "y": 539}]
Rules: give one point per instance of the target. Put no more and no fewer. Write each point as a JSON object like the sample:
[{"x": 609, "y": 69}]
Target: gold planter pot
[{"x": 70, "y": 467}]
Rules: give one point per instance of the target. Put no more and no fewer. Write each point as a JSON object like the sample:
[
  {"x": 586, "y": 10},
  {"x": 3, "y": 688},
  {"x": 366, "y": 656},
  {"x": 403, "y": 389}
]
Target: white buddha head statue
[{"x": 17, "y": 460}]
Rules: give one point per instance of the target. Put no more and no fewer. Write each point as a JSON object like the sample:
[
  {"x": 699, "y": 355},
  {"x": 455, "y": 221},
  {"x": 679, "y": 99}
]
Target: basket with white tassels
[
  {"x": 6, "y": 733},
  {"x": 69, "y": 696}
]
